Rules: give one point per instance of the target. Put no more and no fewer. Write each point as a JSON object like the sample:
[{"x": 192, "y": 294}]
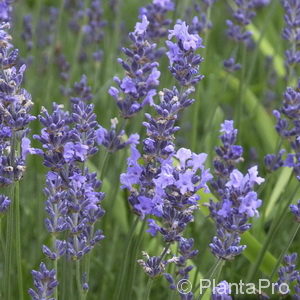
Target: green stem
[
  {"x": 148, "y": 289},
  {"x": 215, "y": 273},
  {"x": 18, "y": 240},
  {"x": 285, "y": 250},
  {"x": 122, "y": 274},
  {"x": 55, "y": 266},
  {"x": 78, "y": 280}
]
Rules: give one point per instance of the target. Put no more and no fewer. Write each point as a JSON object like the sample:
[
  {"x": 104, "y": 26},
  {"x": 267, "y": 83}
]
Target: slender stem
[
  {"x": 286, "y": 248},
  {"x": 215, "y": 273},
  {"x": 55, "y": 266},
  {"x": 18, "y": 240},
  {"x": 78, "y": 280},
  {"x": 148, "y": 289},
  {"x": 122, "y": 274}
]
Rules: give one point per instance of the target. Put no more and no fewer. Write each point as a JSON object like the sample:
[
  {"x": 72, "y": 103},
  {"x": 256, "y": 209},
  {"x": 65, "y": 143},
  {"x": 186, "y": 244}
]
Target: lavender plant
[
  {"x": 291, "y": 34},
  {"x": 73, "y": 202},
  {"x": 238, "y": 200},
  {"x": 157, "y": 186},
  {"x": 138, "y": 87}
]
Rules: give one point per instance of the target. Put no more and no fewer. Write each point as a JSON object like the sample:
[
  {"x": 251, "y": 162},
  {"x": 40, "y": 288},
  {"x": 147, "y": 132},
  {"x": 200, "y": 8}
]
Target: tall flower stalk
[
  {"x": 159, "y": 187},
  {"x": 15, "y": 106},
  {"x": 73, "y": 200},
  {"x": 238, "y": 202}
]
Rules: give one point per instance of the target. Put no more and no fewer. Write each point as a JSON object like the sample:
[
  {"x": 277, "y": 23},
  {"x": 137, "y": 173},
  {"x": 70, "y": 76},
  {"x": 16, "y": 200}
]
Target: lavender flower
[
  {"x": 73, "y": 202},
  {"x": 288, "y": 128},
  {"x": 291, "y": 32},
  {"x": 93, "y": 30},
  {"x": 295, "y": 209},
  {"x": 27, "y": 32},
  {"x": 243, "y": 13},
  {"x": 184, "y": 63},
  {"x": 46, "y": 27},
  {"x": 287, "y": 273},
  {"x": 230, "y": 65},
  {"x": 45, "y": 282},
  {"x": 5, "y": 11},
  {"x": 114, "y": 140},
  {"x": 201, "y": 22},
  {"x": 4, "y": 204},
  {"x": 156, "y": 13},
  {"x": 138, "y": 87},
  {"x": 237, "y": 200},
  {"x": 15, "y": 106},
  {"x": 221, "y": 291}
]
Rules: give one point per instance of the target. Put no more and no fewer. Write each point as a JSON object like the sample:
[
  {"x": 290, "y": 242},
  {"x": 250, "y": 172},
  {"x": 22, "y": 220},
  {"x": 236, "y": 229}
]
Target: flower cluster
[
  {"x": 288, "y": 275},
  {"x": 184, "y": 62},
  {"x": 15, "y": 107},
  {"x": 201, "y": 22},
  {"x": 243, "y": 14},
  {"x": 46, "y": 28},
  {"x": 114, "y": 140},
  {"x": 139, "y": 85},
  {"x": 73, "y": 203},
  {"x": 221, "y": 291},
  {"x": 93, "y": 30},
  {"x": 156, "y": 13},
  {"x": 27, "y": 31},
  {"x": 238, "y": 201},
  {"x": 287, "y": 126},
  {"x": 158, "y": 147},
  {"x": 5, "y": 11},
  {"x": 45, "y": 282},
  {"x": 291, "y": 32}
]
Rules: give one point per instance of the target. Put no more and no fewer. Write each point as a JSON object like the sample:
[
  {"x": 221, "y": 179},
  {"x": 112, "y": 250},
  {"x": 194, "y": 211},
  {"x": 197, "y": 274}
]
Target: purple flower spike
[
  {"x": 138, "y": 87},
  {"x": 237, "y": 200},
  {"x": 295, "y": 209},
  {"x": 4, "y": 204},
  {"x": 73, "y": 201},
  {"x": 156, "y": 14},
  {"x": 288, "y": 128},
  {"x": 291, "y": 32},
  {"x": 221, "y": 291},
  {"x": 184, "y": 63},
  {"x": 15, "y": 106},
  {"x": 44, "y": 282}
]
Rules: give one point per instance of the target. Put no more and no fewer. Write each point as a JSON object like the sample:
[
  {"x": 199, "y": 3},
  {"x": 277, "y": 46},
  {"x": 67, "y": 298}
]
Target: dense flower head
[
  {"x": 44, "y": 282},
  {"x": 242, "y": 15},
  {"x": 27, "y": 32},
  {"x": 156, "y": 14},
  {"x": 5, "y": 11},
  {"x": 295, "y": 209},
  {"x": 291, "y": 31},
  {"x": 237, "y": 199},
  {"x": 73, "y": 200},
  {"x": 287, "y": 126},
  {"x": 4, "y": 204},
  {"x": 186, "y": 252},
  {"x": 138, "y": 87},
  {"x": 46, "y": 27},
  {"x": 221, "y": 291},
  {"x": 199, "y": 16},
  {"x": 287, "y": 274},
  {"x": 15, "y": 107},
  {"x": 230, "y": 65},
  {"x": 184, "y": 62},
  {"x": 114, "y": 140}
]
